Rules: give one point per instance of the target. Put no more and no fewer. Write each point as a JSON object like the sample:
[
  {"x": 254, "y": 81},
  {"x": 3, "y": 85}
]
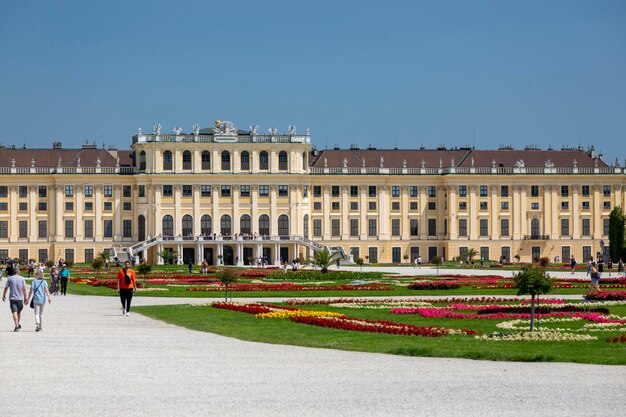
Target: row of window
[
  {"x": 534, "y": 227},
  {"x": 88, "y": 230},
  {"x": 205, "y": 160},
  {"x": 317, "y": 191},
  {"x": 23, "y": 254},
  {"x": 225, "y": 190},
  {"x": 226, "y": 225}
]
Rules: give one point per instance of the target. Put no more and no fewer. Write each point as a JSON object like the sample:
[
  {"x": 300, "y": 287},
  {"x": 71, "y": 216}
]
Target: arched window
[
  {"x": 245, "y": 224},
  {"x": 168, "y": 225},
  {"x": 245, "y": 161},
  {"x": 225, "y": 161},
  {"x": 142, "y": 161},
  {"x": 264, "y": 225},
  {"x": 205, "y": 225},
  {"x": 167, "y": 161},
  {"x": 141, "y": 226},
  {"x": 534, "y": 227},
  {"x": 187, "y": 160},
  {"x": 225, "y": 225},
  {"x": 283, "y": 225},
  {"x": 282, "y": 161},
  {"x": 206, "y": 160},
  {"x": 305, "y": 226},
  {"x": 187, "y": 225},
  {"x": 264, "y": 161}
]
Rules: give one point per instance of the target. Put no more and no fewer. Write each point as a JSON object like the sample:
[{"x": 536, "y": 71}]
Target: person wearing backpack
[
  {"x": 64, "y": 275},
  {"x": 126, "y": 286}
]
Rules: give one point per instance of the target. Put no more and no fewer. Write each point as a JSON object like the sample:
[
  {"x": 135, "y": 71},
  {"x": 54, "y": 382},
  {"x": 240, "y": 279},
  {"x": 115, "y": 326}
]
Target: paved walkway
[{"x": 91, "y": 361}]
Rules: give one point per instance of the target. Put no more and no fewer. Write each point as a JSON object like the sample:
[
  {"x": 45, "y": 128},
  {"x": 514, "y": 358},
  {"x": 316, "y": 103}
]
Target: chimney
[{"x": 56, "y": 145}]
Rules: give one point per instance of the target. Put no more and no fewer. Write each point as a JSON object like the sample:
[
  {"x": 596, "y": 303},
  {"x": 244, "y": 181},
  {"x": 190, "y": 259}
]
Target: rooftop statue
[
  {"x": 493, "y": 162},
  {"x": 157, "y": 129},
  {"x": 32, "y": 163},
  {"x": 404, "y": 163},
  {"x": 519, "y": 163},
  {"x": 253, "y": 129},
  {"x": 139, "y": 131},
  {"x": 345, "y": 163},
  {"x": 196, "y": 129},
  {"x": 224, "y": 127},
  {"x": 292, "y": 130},
  {"x": 423, "y": 163},
  {"x": 308, "y": 131},
  {"x": 325, "y": 162},
  {"x": 549, "y": 164},
  {"x": 575, "y": 163},
  {"x": 363, "y": 163},
  {"x": 382, "y": 161}
]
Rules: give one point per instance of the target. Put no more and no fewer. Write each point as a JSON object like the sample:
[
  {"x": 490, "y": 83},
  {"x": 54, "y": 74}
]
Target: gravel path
[{"x": 91, "y": 361}]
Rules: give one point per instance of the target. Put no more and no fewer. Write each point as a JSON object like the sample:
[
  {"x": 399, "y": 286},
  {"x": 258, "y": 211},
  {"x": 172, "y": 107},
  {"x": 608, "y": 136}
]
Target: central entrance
[
  {"x": 247, "y": 254},
  {"x": 228, "y": 255},
  {"x": 189, "y": 255},
  {"x": 208, "y": 255}
]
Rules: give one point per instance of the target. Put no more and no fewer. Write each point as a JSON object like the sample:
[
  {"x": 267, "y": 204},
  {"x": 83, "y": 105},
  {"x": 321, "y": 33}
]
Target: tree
[
  {"x": 168, "y": 255},
  {"x": 97, "y": 264},
  {"x": 227, "y": 276},
  {"x": 144, "y": 269},
  {"x": 544, "y": 261},
  {"x": 360, "y": 262},
  {"x": 436, "y": 260},
  {"x": 470, "y": 255},
  {"x": 324, "y": 259},
  {"x": 616, "y": 233},
  {"x": 532, "y": 280}
]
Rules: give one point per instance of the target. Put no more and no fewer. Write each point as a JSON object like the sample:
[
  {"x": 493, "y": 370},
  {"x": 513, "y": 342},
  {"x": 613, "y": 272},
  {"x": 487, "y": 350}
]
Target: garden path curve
[{"x": 91, "y": 361}]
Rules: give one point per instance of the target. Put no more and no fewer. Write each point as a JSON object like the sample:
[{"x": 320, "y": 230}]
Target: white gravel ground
[{"x": 91, "y": 361}]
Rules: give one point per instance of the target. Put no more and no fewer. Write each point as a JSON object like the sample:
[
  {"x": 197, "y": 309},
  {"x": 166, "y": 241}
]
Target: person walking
[
  {"x": 126, "y": 286},
  {"x": 16, "y": 286},
  {"x": 609, "y": 265},
  {"x": 54, "y": 280},
  {"x": 64, "y": 276},
  {"x": 572, "y": 264},
  {"x": 190, "y": 266},
  {"x": 620, "y": 266},
  {"x": 595, "y": 278},
  {"x": 419, "y": 262},
  {"x": 39, "y": 292}
]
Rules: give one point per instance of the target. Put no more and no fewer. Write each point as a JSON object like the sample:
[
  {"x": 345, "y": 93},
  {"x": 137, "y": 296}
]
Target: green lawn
[{"x": 282, "y": 331}]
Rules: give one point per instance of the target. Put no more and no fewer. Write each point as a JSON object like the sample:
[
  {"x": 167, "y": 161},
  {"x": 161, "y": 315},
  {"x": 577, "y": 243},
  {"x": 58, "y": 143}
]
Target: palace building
[{"x": 231, "y": 194}]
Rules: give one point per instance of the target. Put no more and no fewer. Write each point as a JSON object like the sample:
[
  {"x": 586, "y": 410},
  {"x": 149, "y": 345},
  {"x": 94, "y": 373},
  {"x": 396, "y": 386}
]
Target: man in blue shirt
[{"x": 16, "y": 286}]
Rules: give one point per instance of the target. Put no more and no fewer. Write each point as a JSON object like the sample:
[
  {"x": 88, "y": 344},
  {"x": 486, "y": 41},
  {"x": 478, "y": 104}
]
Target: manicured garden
[
  {"x": 488, "y": 328},
  {"x": 175, "y": 281},
  {"x": 472, "y": 321}
]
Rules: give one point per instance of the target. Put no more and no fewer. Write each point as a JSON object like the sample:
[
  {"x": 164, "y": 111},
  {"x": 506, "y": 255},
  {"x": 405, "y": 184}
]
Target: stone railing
[
  {"x": 147, "y": 138},
  {"x": 466, "y": 171},
  {"x": 67, "y": 170}
]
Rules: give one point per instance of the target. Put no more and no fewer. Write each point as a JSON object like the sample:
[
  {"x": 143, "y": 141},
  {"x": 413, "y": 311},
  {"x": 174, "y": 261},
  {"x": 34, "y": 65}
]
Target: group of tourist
[{"x": 40, "y": 293}]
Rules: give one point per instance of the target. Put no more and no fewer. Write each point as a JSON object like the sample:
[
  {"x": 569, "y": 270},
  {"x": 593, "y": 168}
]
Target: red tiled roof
[
  {"x": 532, "y": 158},
  {"x": 69, "y": 157},
  {"x": 392, "y": 158}
]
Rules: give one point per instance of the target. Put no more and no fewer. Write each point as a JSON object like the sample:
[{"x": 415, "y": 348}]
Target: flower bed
[
  {"x": 606, "y": 296},
  {"x": 379, "y": 326},
  {"x": 434, "y": 285},
  {"x": 289, "y": 286}
]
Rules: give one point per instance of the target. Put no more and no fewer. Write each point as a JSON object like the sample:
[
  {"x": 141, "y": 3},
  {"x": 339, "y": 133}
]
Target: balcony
[{"x": 536, "y": 237}]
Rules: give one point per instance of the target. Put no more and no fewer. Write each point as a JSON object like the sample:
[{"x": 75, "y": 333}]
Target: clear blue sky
[{"x": 383, "y": 73}]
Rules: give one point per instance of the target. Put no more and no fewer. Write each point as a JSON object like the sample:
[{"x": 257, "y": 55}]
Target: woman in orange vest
[{"x": 126, "y": 286}]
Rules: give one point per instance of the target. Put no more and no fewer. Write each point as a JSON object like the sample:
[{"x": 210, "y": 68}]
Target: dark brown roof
[
  {"x": 532, "y": 158},
  {"x": 393, "y": 158},
  {"x": 69, "y": 157}
]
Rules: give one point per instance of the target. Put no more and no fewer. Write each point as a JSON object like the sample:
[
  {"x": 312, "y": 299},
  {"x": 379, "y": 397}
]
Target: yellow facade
[{"x": 274, "y": 185}]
